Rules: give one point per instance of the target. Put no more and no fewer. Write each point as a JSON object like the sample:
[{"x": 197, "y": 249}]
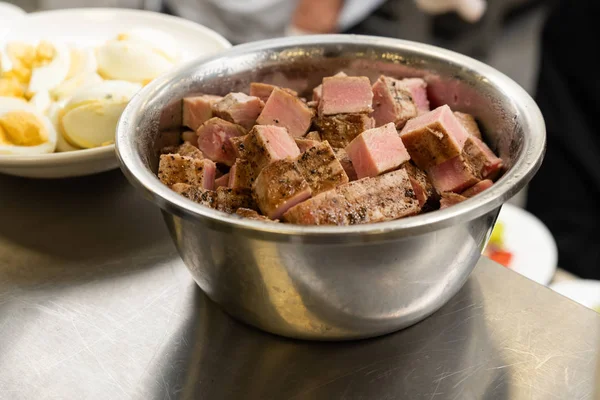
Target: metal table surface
[{"x": 96, "y": 304}]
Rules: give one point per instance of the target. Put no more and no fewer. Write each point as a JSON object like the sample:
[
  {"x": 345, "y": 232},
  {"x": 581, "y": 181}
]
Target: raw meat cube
[
  {"x": 268, "y": 143},
  {"x": 198, "y": 109},
  {"x": 279, "y": 186},
  {"x": 422, "y": 186},
  {"x": 175, "y": 168},
  {"x": 205, "y": 197},
  {"x": 251, "y": 214},
  {"x": 317, "y": 91},
  {"x": 239, "y": 108},
  {"x": 191, "y": 137},
  {"x": 184, "y": 149},
  {"x": 449, "y": 199},
  {"x": 340, "y": 130},
  {"x": 484, "y": 161},
  {"x": 453, "y": 175},
  {"x": 321, "y": 168},
  {"x": 434, "y": 137},
  {"x": 222, "y": 181},
  {"x": 345, "y": 95},
  {"x": 376, "y": 151},
  {"x": 392, "y": 102},
  {"x": 305, "y": 144},
  {"x": 237, "y": 143},
  {"x": 241, "y": 175},
  {"x": 418, "y": 91},
  {"x": 478, "y": 188},
  {"x": 469, "y": 123},
  {"x": 381, "y": 198},
  {"x": 213, "y": 140},
  {"x": 229, "y": 200},
  {"x": 283, "y": 109},
  {"x": 346, "y": 163},
  {"x": 313, "y": 135},
  {"x": 264, "y": 90}
]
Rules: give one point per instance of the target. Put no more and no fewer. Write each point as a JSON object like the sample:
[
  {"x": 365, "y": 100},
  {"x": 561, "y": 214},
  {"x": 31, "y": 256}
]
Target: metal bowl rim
[{"x": 523, "y": 169}]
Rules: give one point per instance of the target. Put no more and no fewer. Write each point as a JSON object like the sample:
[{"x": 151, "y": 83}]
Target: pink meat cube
[
  {"x": 175, "y": 168},
  {"x": 222, "y": 181},
  {"x": 376, "y": 151},
  {"x": 198, "y": 109},
  {"x": 317, "y": 91},
  {"x": 264, "y": 90},
  {"x": 241, "y": 175},
  {"x": 485, "y": 163},
  {"x": 213, "y": 140},
  {"x": 392, "y": 102},
  {"x": 469, "y": 123},
  {"x": 453, "y": 175},
  {"x": 305, "y": 144},
  {"x": 346, "y": 94},
  {"x": 268, "y": 143},
  {"x": 280, "y": 186},
  {"x": 418, "y": 91},
  {"x": 283, "y": 109},
  {"x": 434, "y": 137},
  {"x": 239, "y": 108},
  {"x": 478, "y": 188}
]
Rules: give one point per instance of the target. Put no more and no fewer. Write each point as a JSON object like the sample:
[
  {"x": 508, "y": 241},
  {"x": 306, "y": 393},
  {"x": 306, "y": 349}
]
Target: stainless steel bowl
[{"x": 329, "y": 283}]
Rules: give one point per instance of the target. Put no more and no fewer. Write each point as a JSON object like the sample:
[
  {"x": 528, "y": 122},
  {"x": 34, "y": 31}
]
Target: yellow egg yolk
[
  {"x": 11, "y": 88},
  {"x": 25, "y": 58},
  {"x": 21, "y": 128}
]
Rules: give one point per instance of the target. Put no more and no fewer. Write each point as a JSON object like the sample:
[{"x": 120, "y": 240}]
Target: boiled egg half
[
  {"x": 90, "y": 118},
  {"x": 23, "y": 129},
  {"x": 139, "y": 55}
]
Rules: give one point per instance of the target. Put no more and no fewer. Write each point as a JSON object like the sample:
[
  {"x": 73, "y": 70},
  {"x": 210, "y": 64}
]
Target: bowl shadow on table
[
  {"x": 230, "y": 360},
  {"x": 75, "y": 229}
]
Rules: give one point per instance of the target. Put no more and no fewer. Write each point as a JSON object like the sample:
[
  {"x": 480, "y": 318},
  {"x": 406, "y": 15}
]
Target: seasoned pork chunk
[
  {"x": 239, "y": 108},
  {"x": 198, "y": 109},
  {"x": 340, "y": 130},
  {"x": 382, "y": 198},
  {"x": 392, "y": 102},
  {"x": 321, "y": 169},
  {"x": 288, "y": 111},
  {"x": 279, "y": 186},
  {"x": 175, "y": 168},
  {"x": 214, "y": 139}
]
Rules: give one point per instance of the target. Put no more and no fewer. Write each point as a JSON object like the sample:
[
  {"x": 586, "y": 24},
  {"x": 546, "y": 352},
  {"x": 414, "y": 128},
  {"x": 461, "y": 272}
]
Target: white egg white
[
  {"x": 82, "y": 73},
  {"x": 9, "y": 104},
  {"x": 50, "y": 76},
  {"x": 90, "y": 118}
]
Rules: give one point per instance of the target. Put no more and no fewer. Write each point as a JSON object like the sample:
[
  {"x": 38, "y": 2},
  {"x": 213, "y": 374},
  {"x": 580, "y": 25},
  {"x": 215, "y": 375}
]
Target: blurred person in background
[
  {"x": 248, "y": 20},
  {"x": 565, "y": 192}
]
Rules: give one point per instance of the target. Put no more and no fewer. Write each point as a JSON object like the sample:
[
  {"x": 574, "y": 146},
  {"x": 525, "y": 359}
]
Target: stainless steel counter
[{"x": 96, "y": 304}]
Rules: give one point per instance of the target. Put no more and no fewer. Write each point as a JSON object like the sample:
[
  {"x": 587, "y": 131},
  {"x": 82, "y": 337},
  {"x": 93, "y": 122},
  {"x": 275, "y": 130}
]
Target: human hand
[{"x": 469, "y": 10}]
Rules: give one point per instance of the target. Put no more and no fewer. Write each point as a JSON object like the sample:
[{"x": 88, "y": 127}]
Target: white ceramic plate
[
  {"x": 92, "y": 26},
  {"x": 534, "y": 250},
  {"x": 584, "y": 292}
]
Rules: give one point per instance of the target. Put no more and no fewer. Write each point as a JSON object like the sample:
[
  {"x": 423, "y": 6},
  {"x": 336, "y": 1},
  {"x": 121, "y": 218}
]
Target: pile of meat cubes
[{"x": 357, "y": 153}]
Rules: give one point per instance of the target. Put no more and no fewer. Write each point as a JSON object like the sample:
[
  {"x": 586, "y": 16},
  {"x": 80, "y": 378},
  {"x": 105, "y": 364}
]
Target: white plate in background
[
  {"x": 92, "y": 26},
  {"x": 534, "y": 250},
  {"x": 584, "y": 292}
]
